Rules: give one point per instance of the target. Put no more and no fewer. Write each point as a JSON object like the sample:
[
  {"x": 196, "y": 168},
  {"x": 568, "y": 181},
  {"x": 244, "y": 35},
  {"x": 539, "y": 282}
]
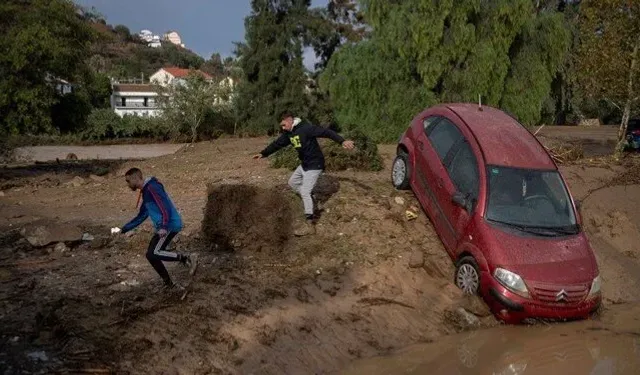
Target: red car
[{"x": 502, "y": 210}]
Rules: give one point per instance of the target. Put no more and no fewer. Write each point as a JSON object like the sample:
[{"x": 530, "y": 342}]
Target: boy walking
[
  {"x": 303, "y": 136},
  {"x": 167, "y": 222}
]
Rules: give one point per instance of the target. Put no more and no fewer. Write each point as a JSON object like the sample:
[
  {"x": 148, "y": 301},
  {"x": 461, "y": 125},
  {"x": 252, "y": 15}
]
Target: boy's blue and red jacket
[{"x": 157, "y": 205}]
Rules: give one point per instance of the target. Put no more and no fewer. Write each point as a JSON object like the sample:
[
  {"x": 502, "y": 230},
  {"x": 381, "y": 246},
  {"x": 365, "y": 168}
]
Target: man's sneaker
[
  {"x": 173, "y": 287},
  {"x": 305, "y": 229},
  {"x": 192, "y": 263}
]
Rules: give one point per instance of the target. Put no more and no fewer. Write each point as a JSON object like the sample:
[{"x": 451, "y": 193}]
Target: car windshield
[{"x": 529, "y": 200}]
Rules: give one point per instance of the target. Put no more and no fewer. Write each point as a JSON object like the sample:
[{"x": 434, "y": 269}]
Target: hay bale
[{"x": 247, "y": 217}]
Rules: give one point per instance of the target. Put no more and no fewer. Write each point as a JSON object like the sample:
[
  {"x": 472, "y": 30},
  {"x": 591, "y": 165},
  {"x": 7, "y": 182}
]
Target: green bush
[
  {"x": 365, "y": 157},
  {"x": 105, "y": 124},
  {"x": 100, "y": 124}
]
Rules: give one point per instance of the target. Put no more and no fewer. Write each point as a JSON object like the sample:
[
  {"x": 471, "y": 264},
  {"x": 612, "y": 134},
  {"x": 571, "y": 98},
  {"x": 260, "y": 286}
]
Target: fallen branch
[{"x": 374, "y": 301}]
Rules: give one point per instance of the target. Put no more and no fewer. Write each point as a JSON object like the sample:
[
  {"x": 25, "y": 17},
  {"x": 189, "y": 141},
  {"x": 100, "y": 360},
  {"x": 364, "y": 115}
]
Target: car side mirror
[{"x": 463, "y": 201}]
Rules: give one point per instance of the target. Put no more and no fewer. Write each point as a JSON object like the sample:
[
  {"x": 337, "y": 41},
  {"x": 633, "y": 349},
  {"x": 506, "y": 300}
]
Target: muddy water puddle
[{"x": 588, "y": 347}]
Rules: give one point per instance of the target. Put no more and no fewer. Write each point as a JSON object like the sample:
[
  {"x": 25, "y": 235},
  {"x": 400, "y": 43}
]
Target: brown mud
[{"x": 370, "y": 281}]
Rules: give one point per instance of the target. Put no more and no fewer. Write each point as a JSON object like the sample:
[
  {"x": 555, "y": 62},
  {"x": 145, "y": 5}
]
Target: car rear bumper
[{"x": 512, "y": 308}]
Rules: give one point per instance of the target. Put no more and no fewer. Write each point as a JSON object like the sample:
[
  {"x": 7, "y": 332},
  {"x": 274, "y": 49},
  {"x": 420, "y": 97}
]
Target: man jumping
[
  {"x": 303, "y": 136},
  {"x": 166, "y": 220}
]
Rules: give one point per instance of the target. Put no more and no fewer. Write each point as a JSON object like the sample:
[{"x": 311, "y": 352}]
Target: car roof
[{"x": 502, "y": 139}]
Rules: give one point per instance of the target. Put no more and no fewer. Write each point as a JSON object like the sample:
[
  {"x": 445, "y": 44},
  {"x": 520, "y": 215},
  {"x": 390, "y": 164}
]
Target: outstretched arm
[
  {"x": 320, "y": 132},
  {"x": 133, "y": 224},
  {"x": 281, "y": 142}
]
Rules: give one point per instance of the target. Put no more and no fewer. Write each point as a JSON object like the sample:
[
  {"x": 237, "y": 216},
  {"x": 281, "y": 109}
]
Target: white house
[
  {"x": 152, "y": 40},
  {"x": 134, "y": 99},
  {"x": 169, "y": 75},
  {"x": 173, "y": 37}
]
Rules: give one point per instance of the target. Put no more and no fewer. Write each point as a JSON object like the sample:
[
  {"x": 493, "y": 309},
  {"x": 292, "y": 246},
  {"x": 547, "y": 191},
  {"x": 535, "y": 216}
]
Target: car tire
[
  {"x": 467, "y": 276},
  {"x": 400, "y": 171}
]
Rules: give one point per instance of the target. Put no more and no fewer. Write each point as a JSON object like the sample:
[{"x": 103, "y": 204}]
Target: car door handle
[
  {"x": 440, "y": 183},
  {"x": 420, "y": 145}
]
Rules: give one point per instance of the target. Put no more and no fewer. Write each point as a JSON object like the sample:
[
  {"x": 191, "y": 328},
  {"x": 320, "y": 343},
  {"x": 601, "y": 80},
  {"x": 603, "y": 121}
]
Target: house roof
[
  {"x": 134, "y": 88},
  {"x": 182, "y": 73}
]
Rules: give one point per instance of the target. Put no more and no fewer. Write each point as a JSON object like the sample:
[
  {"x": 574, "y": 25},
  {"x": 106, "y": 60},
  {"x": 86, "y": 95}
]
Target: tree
[
  {"x": 123, "y": 32},
  {"x": 608, "y": 55},
  {"x": 421, "y": 52},
  {"x": 42, "y": 41},
  {"x": 214, "y": 66},
  {"x": 328, "y": 28},
  {"x": 188, "y": 103},
  {"x": 271, "y": 60}
]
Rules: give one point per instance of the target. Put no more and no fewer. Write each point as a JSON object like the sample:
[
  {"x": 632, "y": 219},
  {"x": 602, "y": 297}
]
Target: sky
[{"x": 206, "y": 26}]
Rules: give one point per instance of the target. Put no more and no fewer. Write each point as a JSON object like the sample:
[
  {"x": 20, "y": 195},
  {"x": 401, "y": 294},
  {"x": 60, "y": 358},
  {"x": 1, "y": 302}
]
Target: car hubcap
[
  {"x": 467, "y": 279},
  {"x": 399, "y": 171}
]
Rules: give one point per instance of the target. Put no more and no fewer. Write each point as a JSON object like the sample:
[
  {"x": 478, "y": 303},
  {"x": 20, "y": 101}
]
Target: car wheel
[
  {"x": 467, "y": 275},
  {"x": 400, "y": 171}
]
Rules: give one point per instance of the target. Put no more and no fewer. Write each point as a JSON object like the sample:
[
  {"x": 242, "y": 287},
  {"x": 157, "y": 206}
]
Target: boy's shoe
[
  {"x": 305, "y": 229},
  {"x": 191, "y": 261},
  {"x": 173, "y": 287}
]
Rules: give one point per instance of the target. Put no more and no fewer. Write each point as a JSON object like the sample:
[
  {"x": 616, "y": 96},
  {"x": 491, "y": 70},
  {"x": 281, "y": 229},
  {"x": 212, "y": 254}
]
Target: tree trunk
[{"x": 626, "y": 112}]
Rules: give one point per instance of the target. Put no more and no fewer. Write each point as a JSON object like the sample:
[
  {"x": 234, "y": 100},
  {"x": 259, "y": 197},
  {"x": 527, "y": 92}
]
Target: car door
[
  {"x": 441, "y": 136},
  {"x": 463, "y": 176},
  {"x": 421, "y": 171}
]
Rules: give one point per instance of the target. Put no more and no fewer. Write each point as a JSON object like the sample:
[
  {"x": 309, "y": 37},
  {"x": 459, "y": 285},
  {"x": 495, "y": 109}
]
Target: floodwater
[{"x": 609, "y": 347}]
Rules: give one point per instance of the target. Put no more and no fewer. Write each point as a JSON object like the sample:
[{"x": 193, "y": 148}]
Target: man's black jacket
[{"x": 303, "y": 137}]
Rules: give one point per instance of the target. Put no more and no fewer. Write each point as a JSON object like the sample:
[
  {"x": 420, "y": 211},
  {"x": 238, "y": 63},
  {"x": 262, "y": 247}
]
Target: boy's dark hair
[
  {"x": 284, "y": 115},
  {"x": 134, "y": 172}
]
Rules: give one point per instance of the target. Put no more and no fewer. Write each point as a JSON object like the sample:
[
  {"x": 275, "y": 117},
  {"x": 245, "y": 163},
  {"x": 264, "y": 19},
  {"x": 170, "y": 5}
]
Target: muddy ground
[{"x": 371, "y": 281}]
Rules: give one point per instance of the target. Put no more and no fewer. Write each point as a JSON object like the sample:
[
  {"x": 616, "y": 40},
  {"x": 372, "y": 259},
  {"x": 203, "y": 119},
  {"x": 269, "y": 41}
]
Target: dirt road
[
  {"x": 369, "y": 283},
  {"x": 111, "y": 152}
]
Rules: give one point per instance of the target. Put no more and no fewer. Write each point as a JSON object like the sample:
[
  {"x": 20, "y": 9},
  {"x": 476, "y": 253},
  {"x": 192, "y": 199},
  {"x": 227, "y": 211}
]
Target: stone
[
  {"x": 416, "y": 260},
  {"x": 44, "y": 232},
  {"x": 96, "y": 178},
  {"x": 60, "y": 247},
  {"x": 475, "y": 305},
  {"x": 2, "y": 194},
  {"x": 399, "y": 200},
  {"x": 99, "y": 243},
  {"x": 466, "y": 319},
  {"x": 77, "y": 181}
]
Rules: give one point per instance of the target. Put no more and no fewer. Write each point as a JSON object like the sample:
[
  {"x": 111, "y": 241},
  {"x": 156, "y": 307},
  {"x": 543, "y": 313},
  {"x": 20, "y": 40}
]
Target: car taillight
[{"x": 636, "y": 132}]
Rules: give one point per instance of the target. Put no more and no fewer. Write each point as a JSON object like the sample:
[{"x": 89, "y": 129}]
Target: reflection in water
[{"x": 558, "y": 349}]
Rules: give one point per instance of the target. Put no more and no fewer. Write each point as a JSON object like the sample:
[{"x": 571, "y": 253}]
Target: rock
[
  {"x": 463, "y": 320},
  {"x": 2, "y": 194},
  {"x": 475, "y": 305},
  {"x": 76, "y": 182},
  {"x": 43, "y": 233},
  {"x": 60, "y": 247},
  {"x": 38, "y": 356},
  {"x": 416, "y": 260},
  {"x": 99, "y": 243},
  {"x": 399, "y": 200},
  {"x": 95, "y": 178}
]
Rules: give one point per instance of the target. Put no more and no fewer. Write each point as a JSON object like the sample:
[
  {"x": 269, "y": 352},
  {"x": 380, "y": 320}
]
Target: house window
[
  {"x": 123, "y": 101},
  {"x": 146, "y": 102}
]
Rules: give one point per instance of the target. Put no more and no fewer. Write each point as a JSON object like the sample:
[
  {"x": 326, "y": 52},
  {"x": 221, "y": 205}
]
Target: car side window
[
  {"x": 443, "y": 136},
  {"x": 463, "y": 170},
  {"x": 429, "y": 123}
]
